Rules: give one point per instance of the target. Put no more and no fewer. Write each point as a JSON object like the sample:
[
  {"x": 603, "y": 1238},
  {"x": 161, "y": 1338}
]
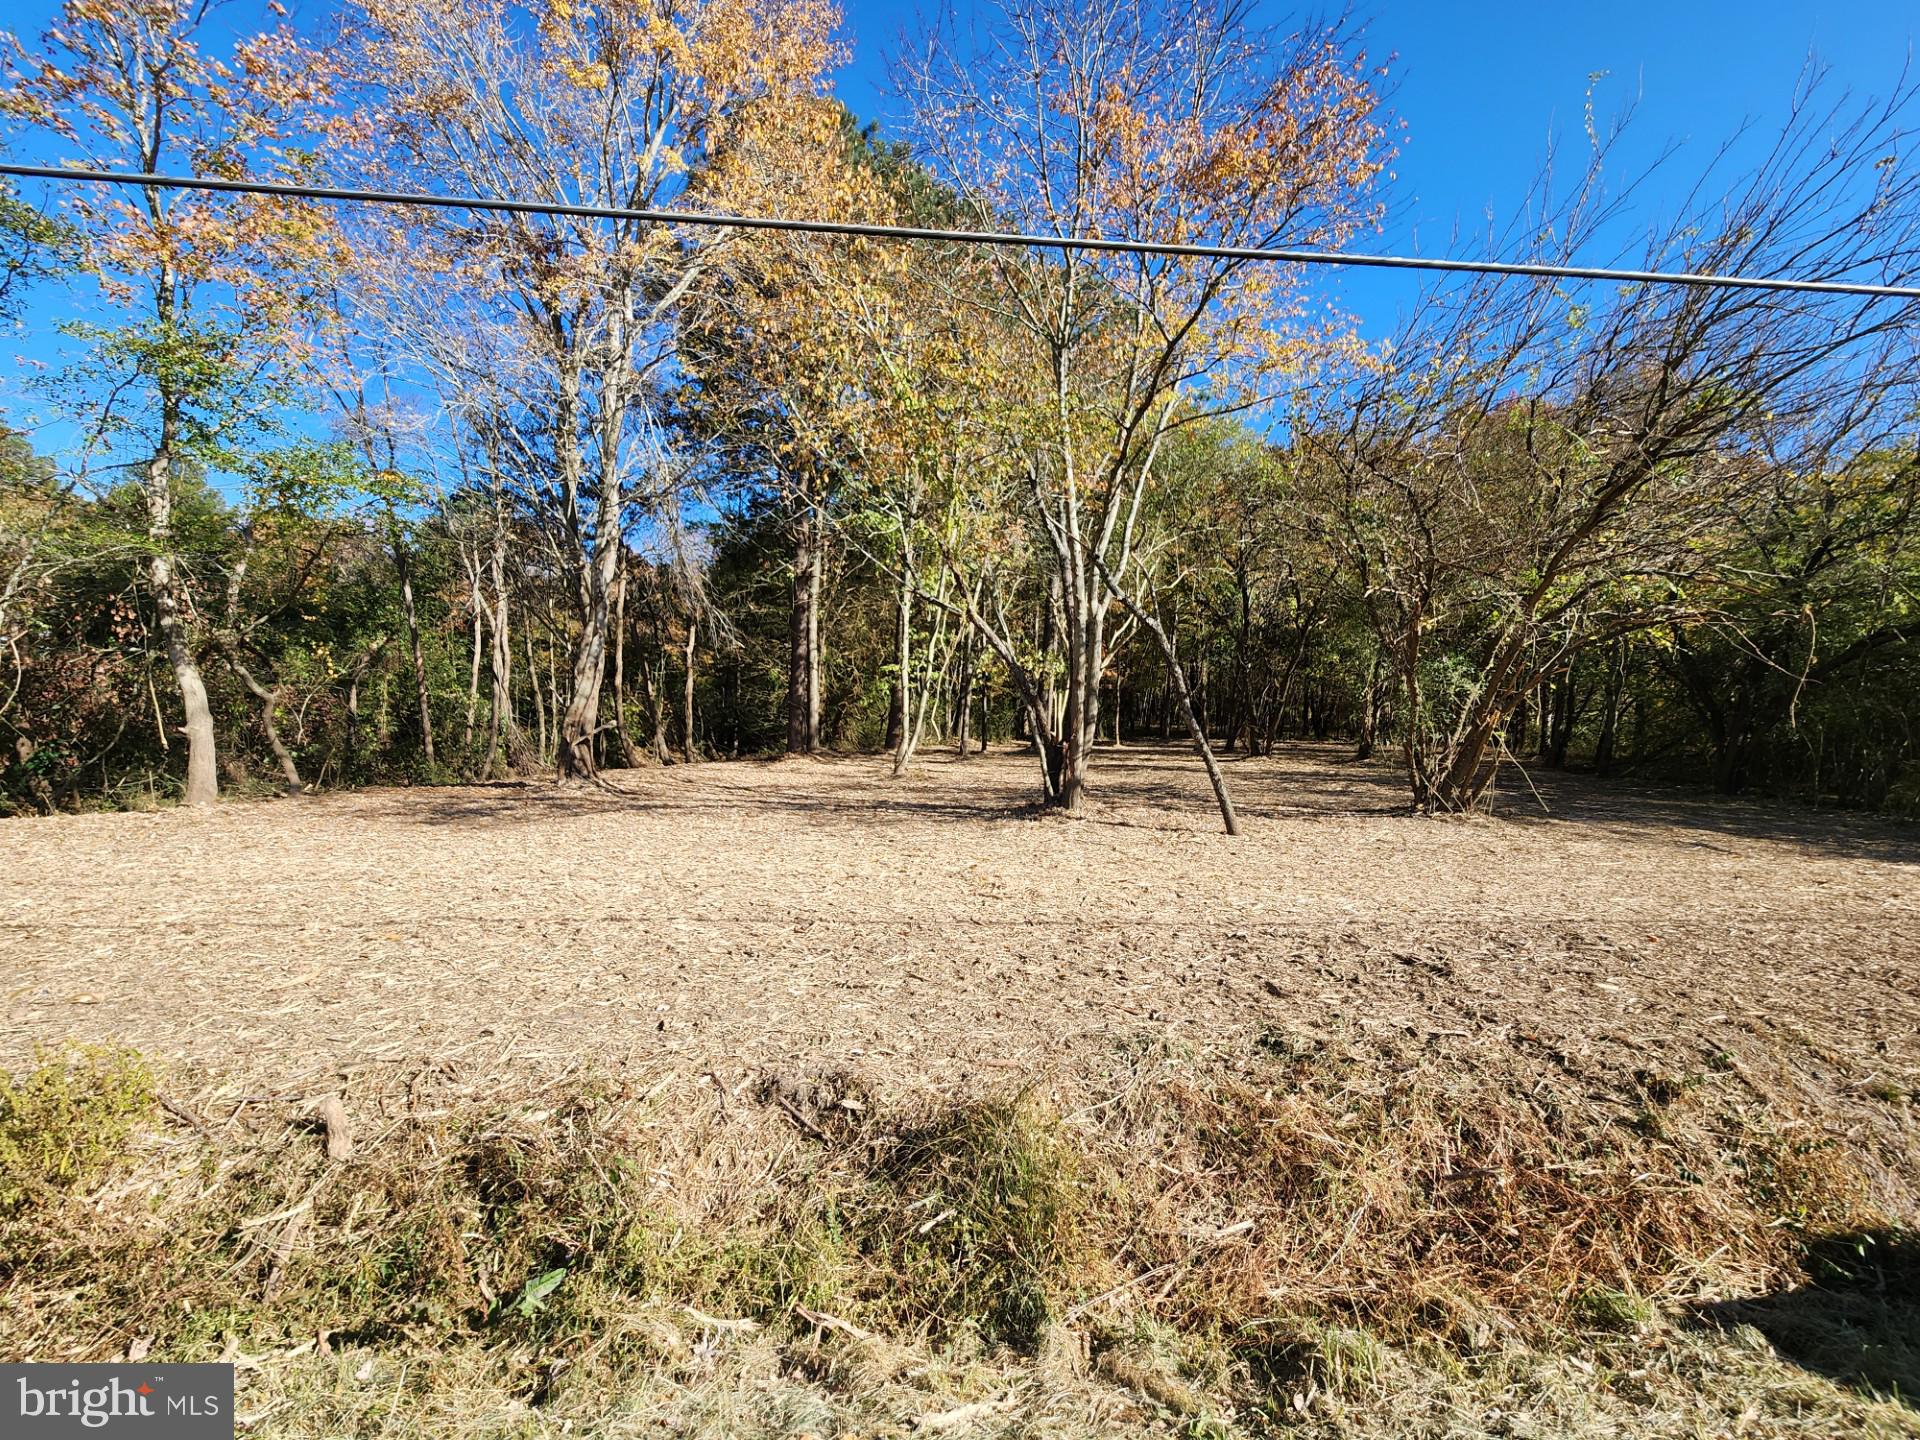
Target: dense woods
[{"x": 348, "y": 495}]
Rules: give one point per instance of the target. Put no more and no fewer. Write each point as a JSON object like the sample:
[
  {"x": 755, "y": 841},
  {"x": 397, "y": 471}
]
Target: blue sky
[{"x": 1480, "y": 88}]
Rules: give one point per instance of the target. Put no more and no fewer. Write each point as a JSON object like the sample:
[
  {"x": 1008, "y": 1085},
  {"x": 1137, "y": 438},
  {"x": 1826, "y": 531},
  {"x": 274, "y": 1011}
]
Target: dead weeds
[{"x": 1234, "y": 1240}]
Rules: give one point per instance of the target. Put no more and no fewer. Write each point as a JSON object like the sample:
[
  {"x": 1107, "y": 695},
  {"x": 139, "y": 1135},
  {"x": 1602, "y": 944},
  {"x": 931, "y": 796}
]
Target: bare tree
[{"x": 1537, "y": 469}]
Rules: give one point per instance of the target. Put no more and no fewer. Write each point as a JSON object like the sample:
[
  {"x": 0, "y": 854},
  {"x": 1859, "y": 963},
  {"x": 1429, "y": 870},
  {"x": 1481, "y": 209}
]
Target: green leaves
[
  {"x": 535, "y": 1292},
  {"x": 308, "y": 480}
]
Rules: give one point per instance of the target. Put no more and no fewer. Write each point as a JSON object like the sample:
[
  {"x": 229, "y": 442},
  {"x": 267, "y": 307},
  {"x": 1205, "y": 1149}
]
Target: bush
[{"x": 66, "y": 1122}]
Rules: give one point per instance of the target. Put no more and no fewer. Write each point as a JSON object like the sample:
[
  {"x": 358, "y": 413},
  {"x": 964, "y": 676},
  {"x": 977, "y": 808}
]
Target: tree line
[{"x": 354, "y": 495}]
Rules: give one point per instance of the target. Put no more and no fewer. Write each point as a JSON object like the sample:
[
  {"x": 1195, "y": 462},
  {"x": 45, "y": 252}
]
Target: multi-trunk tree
[
  {"x": 625, "y": 105},
  {"x": 1532, "y": 473},
  {"x": 1173, "y": 121}
]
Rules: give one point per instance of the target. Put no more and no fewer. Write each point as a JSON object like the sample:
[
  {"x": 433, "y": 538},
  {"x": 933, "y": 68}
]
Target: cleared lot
[
  {"x": 931, "y": 930},
  {"x": 834, "y": 1105}
]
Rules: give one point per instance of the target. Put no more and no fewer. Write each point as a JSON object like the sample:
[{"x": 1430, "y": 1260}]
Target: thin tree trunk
[
  {"x": 629, "y": 756},
  {"x": 269, "y": 698},
  {"x": 553, "y": 696},
  {"x": 963, "y": 709},
  {"x": 403, "y": 568},
  {"x": 1368, "y": 712},
  {"x": 816, "y": 658},
  {"x": 1171, "y": 651},
  {"x": 1212, "y": 766},
  {"x": 803, "y": 627},
  {"x": 1610, "y": 709},
  {"x": 693, "y": 631},
  {"x": 657, "y": 699},
  {"x": 1566, "y": 716},
  {"x": 203, "y": 785},
  {"x": 1413, "y": 738},
  {"x": 354, "y": 679},
  {"x": 910, "y": 738},
  {"x": 902, "y": 723},
  {"x": 539, "y": 700},
  {"x": 1081, "y": 721},
  {"x": 473, "y": 670},
  {"x": 505, "y": 722},
  {"x": 353, "y": 724}
]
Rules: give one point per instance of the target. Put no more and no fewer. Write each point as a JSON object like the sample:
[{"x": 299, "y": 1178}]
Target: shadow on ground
[
  {"x": 1150, "y": 787},
  {"x": 1858, "y": 1323}
]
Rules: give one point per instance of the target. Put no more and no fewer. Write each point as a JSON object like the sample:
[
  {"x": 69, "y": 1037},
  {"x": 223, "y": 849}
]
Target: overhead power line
[{"x": 968, "y": 237}]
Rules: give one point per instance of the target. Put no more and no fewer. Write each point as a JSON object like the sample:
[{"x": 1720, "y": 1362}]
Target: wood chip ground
[{"x": 937, "y": 932}]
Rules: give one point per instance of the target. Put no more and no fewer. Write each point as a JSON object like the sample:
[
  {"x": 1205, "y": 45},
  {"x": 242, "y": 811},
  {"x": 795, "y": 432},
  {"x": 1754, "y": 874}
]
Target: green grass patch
[
  {"x": 979, "y": 1216},
  {"x": 65, "y": 1123}
]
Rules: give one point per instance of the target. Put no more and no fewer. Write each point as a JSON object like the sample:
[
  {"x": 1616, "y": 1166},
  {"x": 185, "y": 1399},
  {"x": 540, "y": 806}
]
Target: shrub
[{"x": 66, "y": 1122}]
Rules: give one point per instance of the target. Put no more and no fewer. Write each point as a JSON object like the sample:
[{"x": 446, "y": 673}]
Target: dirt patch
[{"x": 933, "y": 930}]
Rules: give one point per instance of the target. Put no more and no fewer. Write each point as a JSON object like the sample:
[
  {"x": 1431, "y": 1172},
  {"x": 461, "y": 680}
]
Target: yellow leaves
[
  {"x": 258, "y": 259},
  {"x": 593, "y": 76}
]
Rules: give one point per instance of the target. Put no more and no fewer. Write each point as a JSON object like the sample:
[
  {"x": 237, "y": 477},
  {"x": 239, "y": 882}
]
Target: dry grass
[
  {"x": 1404, "y": 1172},
  {"x": 1219, "y": 1243}
]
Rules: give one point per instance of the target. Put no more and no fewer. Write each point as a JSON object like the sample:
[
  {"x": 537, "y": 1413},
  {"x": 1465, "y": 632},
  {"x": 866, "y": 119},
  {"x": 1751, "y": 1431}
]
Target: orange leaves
[
  {"x": 1159, "y": 120},
  {"x": 127, "y": 83},
  {"x": 712, "y": 54}
]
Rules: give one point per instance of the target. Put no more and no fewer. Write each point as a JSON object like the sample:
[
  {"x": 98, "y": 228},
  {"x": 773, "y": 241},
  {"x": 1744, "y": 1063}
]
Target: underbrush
[
  {"x": 67, "y": 1122},
  {"x": 1224, "y": 1244}
]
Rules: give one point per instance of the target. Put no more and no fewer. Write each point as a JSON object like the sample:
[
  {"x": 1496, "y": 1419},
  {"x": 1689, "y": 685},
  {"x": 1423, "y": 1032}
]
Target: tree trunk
[
  {"x": 693, "y": 631},
  {"x": 351, "y": 769},
  {"x": 473, "y": 668},
  {"x": 269, "y": 698},
  {"x": 901, "y": 725},
  {"x": 1610, "y": 710},
  {"x": 354, "y": 678},
  {"x": 963, "y": 705},
  {"x": 931, "y": 680},
  {"x": 1170, "y": 654},
  {"x": 539, "y": 700},
  {"x": 573, "y": 744},
  {"x": 986, "y": 708},
  {"x": 1413, "y": 741},
  {"x": 657, "y": 700},
  {"x": 803, "y": 702},
  {"x": 816, "y": 651},
  {"x": 1215, "y": 778},
  {"x": 573, "y": 752},
  {"x": 1369, "y": 713},
  {"x": 403, "y": 569},
  {"x": 553, "y": 696},
  {"x": 1080, "y": 726},
  {"x": 203, "y": 785},
  {"x": 623, "y": 740},
  {"x": 1566, "y": 712}
]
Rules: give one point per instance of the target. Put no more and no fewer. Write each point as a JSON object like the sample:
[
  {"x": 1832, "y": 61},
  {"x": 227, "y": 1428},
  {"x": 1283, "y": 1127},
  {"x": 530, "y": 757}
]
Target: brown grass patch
[{"x": 1257, "y": 1234}]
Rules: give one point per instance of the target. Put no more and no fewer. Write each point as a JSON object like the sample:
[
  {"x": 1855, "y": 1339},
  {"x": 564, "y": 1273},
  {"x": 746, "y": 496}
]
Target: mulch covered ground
[{"x": 938, "y": 932}]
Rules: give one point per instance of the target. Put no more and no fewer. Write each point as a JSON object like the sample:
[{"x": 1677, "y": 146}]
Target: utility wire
[{"x": 967, "y": 237}]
